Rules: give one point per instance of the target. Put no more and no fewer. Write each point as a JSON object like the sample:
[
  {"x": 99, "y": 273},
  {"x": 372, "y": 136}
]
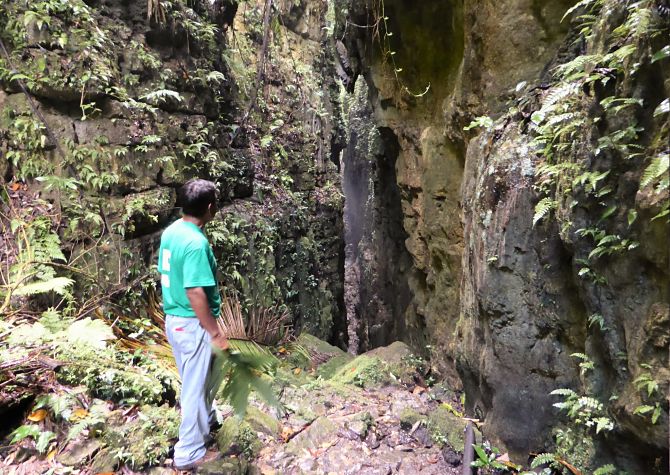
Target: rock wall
[
  {"x": 138, "y": 102},
  {"x": 502, "y": 300},
  {"x": 536, "y": 297},
  {"x": 464, "y": 66},
  {"x": 377, "y": 265}
]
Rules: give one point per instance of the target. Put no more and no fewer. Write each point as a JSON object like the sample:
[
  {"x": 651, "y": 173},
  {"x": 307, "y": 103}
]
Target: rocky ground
[{"x": 371, "y": 414}]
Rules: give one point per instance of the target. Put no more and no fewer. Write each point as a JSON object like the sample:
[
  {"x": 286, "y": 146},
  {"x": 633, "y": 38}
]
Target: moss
[
  {"x": 146, "y": 440},
  {"x": 361, "y": 424},
  {"x": 262, "y": 422},
  {"x": 238, "y": 437},
  {"x": 312, "y": 343},
  {"x": 363, "y": 371},
  {"x": 445, "y": 427},
  {"x": 320, "y": 431},
  {"x": 227, "y": 466},
  {"x": 396, "y": 353},
  {"x": 409, "y": 417},
  {"x": 241, "y": 436},
  {"x": 328, "y": 369}
]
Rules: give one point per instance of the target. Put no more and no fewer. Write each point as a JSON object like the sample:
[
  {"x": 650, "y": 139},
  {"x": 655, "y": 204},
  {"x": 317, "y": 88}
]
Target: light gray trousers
[{"x": 191, "y": 347}]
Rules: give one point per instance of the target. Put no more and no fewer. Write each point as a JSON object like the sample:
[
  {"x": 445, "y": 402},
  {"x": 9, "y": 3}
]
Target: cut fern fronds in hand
[
  {"x": 248, "y": 362},
  {"x": 242, "y": 368}
]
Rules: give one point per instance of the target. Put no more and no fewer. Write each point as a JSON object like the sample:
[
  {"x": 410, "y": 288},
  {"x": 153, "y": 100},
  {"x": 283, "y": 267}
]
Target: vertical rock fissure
[{"x": 377, "y": 264}]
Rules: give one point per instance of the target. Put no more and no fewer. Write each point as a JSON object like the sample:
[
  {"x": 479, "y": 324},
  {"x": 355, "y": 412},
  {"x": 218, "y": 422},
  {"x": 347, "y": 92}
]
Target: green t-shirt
[{"x": 185, "y": 260}]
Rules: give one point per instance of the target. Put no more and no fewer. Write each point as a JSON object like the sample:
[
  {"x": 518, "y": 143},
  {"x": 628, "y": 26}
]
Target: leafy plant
[
  {"x": 646, "y": 381},
  {"x": 161, "y": 96},
  {"x": 36, "y": 256},
  {"x": 583, "y": 410},
  {"x": 481, "y": 121},
  {"x": 542, "y": 208},
  {"x": 487, "y": 457},
  {"x": 243, "y": 366},
  {"x": 42, "y": 438}
]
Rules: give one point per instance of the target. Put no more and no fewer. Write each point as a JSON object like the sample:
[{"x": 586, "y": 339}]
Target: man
[{"x": 191, "y": 303}]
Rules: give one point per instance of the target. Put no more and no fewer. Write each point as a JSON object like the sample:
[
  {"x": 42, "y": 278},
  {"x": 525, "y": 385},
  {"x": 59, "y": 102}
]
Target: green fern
[
  {"x": 578, "y": 65},
  {"x": 605, "y": 470},
  {"x": 561, "y": 92},
  {"x": 162, "y": 95},
  {"x": 543, "y": 459},
  {"x": 599, "y": 319},
  {"x": 563, "y": 392},
  {"x": 57, "y": 285},
  {"x": 544, "y": 207},
  {"x": 638, "y": 23},
  {"x": 242, "y": 369},
  {"x": 656, "y": 170},
  {"x": 588, "y": 5}
]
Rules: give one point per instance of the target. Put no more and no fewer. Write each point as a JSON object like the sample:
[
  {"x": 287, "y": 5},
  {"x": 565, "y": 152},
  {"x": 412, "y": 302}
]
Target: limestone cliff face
[
  {"x": 508, "y": 301},
  {"x": 464, "y": 54}
]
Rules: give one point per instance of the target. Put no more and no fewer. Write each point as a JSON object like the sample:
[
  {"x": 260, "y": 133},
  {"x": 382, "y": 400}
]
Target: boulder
[
  {"x": 242, "y": 436},
  {"x": 443, "y": 424},
  {"x": 321, "y": 431},
  {"x": 79, "y": 452},
  {"x": 226, "y": 466},
  {"x": 394, "y": 354},
  {"x": 363, "y": 371}
]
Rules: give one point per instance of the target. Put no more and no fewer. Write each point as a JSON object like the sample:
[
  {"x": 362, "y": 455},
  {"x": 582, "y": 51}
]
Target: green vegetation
[
  {"x": 105, "y": 113},
  {"x": 590, "y": 129},
  {"x": 567, "y": 177}
]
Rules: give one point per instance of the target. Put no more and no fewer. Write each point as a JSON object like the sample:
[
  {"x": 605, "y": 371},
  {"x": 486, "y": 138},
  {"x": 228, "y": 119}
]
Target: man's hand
[
  {"x": 198, "y": 300},
  {"x": 220, "y": 341}
]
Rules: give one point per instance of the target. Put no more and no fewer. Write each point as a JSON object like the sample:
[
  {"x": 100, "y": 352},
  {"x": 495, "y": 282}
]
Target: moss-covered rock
[
  {"x": 146, "y": 440},
  {"x": 328, "y": 369},
  {"x": 325, "y": 357},
  {"x": 360, "y": 424},
  {"x": 409, "y": 417},
  {"x": 314, "y": 344},
  {"x": 104, "y": 461},
  {"x": 363, "y": 371},
  {"x": 446, "y": 427},
  {"x": 319, "y": 432},
  {"x": 226, "y": 466},
  {"x": 241, "y": 436},
  {"x": 395, "y": 354},
  {"x": 262, "y": 422}
]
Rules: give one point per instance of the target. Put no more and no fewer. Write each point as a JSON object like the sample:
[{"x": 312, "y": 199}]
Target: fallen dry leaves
[{"x": 38, "y": 416}]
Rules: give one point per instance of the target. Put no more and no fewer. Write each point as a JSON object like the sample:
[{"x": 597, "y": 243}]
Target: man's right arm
[{"x": 198, "y": 300}]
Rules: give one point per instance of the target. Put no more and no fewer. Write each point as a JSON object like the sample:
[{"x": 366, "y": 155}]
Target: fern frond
[
  {"x": 58, "y": 285},
  {"x": 543, "y": 208},
  {"x": 162, "y": 95},
  {"x": 559, "y": 118},
  {"x": 589, "y": 5},
  {"x": 543, "y": 459},
  {"x": 243, "y": 371},
  {"x": 605, "y": 470},
  {"x": 656, "y": 169},
  {"x": 577, "y": 65},
  {"x": 559, "y": 93},
  {"x": 563, "y": 392}
]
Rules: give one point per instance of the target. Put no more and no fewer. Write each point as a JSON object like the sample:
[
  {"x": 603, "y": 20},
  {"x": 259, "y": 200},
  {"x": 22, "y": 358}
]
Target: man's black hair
[{"x": 195, "y": 196}]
